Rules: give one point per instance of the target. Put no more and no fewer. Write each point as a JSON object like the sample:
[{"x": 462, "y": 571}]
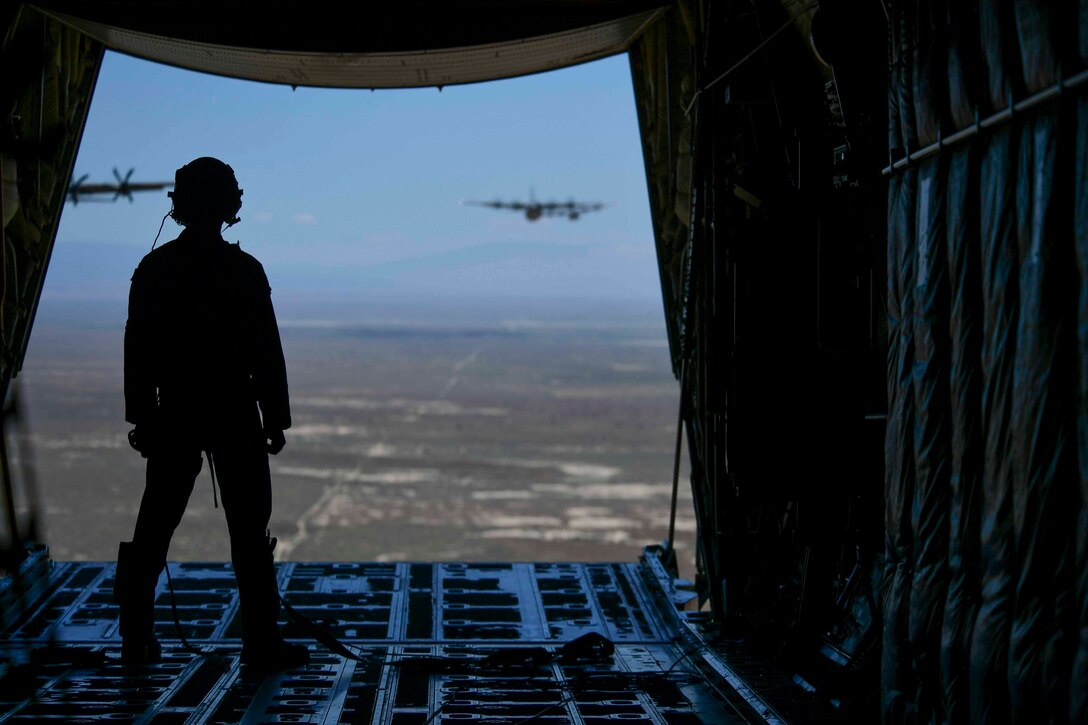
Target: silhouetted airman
[{"x": 204, "y": 372}]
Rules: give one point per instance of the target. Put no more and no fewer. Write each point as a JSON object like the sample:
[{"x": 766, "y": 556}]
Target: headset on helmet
[{"x": 203, "y": 188}]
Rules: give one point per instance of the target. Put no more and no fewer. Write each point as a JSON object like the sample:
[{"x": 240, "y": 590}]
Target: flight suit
[{"x": 204, "y": 373}]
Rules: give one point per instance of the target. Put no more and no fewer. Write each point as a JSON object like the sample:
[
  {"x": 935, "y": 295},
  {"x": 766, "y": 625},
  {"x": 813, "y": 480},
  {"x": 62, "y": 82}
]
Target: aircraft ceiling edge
[{"x": 444, "y": 67}]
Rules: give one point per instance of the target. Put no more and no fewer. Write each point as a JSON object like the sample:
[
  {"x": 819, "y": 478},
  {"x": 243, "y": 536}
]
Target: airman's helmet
[{"x": 206, "y": 189}]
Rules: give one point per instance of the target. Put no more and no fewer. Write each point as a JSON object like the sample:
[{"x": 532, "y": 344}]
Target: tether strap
[
  {"x": 211, "y": 467},
  {"x": 177, "y": 620},
  {"x": 320, "y": 633}
]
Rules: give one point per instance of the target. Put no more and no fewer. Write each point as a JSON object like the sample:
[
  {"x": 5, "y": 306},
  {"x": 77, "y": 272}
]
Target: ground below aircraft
[
  {"x": 79, "y": 191},
  {"x": 534, "y": 209}
]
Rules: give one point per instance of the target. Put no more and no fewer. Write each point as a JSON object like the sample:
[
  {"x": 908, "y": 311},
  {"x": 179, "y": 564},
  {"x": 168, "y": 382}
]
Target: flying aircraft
[
  {"x": 534, "y": 209},
  {"x": 77, "y": 189}
]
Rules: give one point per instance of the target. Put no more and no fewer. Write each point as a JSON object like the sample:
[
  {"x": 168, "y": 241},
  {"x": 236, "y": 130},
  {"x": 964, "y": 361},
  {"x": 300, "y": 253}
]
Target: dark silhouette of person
[{"x": 204, "y": 374}]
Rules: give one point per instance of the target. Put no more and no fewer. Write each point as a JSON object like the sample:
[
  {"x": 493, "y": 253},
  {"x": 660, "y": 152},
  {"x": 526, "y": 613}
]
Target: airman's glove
[
  {"x": 275, "y": 440},
  {"x": 143, "y": 439}
]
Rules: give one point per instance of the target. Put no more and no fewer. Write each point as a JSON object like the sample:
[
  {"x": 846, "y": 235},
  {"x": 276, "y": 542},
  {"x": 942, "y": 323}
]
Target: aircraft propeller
[{"x": 122, "y": 184}]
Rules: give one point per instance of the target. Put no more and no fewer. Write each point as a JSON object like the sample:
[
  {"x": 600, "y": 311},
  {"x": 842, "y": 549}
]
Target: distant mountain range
[{"x": 87, "y": 284}]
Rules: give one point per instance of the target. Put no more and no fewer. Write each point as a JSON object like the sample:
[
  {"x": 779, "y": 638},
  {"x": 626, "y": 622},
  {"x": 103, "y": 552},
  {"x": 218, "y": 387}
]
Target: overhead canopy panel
[{"x": 378, "y": 45}]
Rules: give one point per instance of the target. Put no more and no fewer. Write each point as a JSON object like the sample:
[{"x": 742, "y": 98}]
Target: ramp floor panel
[{"x": 422, "y": 632}]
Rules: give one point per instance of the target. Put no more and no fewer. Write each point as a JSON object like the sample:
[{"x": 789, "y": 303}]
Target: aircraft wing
[
  {"x": 88, "y": 189},
  {"x": 81, "y": 192},
  {"x": 514, "y": 205},
  {"x": 566, "y": 208},
  {"x": 150, "y": 185}
]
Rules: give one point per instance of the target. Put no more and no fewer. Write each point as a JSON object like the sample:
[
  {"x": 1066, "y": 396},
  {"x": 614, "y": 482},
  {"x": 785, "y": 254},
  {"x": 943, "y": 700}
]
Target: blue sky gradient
[{"x": 352, "y": 197}]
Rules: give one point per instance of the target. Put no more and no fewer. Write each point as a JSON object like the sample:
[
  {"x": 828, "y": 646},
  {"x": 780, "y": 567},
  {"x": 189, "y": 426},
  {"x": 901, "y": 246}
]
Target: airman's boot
[
  {"x": 263, "y": 647},
  {"x": 134, "y": 592}
]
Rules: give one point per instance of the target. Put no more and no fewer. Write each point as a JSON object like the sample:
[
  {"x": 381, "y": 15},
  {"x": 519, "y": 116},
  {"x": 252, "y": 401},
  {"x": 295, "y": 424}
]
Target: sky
[{"x": 352, "y": 196}]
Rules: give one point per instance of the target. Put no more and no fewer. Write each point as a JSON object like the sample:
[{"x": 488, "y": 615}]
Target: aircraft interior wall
[
  {"x": 49, "y": 76},
  {"x": 765, "y": 117},
  {"x": 45, "y": 90},
  {"x": 959, "y": 363},
  {"x": 983, "y": 451}
]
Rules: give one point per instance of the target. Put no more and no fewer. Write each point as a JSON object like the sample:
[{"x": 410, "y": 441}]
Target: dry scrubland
[{"x": 411, "y": 442}]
